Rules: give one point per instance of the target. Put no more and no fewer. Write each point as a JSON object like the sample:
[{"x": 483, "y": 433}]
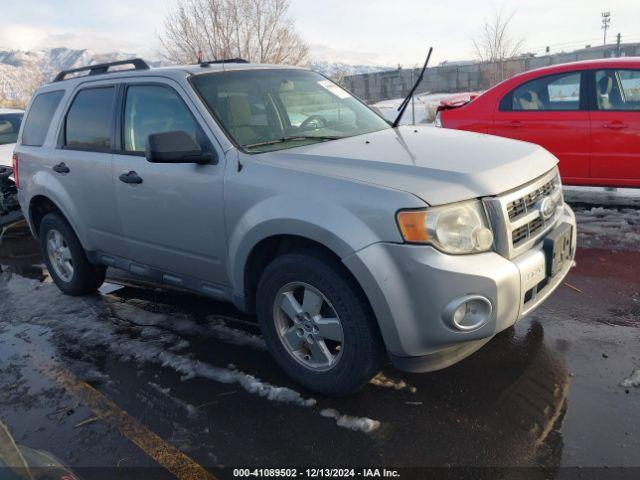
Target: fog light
[{"x": 467, "y": 313}]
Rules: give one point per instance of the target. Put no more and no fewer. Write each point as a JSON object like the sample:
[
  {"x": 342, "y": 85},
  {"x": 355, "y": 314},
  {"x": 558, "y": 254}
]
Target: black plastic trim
[{"x": 102, "y": 68}]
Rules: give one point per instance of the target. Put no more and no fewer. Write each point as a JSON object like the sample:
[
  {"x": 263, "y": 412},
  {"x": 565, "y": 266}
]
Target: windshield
[
  {"x": 9, "y": 127},
  {"x": 267, "y": 110}
]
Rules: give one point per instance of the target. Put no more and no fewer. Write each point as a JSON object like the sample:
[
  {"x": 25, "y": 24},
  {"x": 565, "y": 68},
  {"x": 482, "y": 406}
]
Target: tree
[
  {"x": 495, "y": 43},
  {"x": 256, "y": 30}
]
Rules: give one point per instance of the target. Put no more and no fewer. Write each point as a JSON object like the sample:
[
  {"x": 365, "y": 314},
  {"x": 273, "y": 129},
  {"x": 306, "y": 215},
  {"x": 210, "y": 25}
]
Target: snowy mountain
[{"x": 21, "y": 72}]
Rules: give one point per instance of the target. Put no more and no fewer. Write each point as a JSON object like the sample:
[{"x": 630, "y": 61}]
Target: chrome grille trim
[{"x": 516, "y": 218}]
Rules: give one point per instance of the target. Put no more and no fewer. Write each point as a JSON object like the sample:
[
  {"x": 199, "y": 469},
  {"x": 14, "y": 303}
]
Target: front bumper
[{"x": 409, "y": 287}]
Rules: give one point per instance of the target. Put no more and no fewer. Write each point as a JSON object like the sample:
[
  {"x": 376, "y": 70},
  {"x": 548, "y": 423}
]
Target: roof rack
[
  {"x": 228, "y": 60},
  {"x": 102, "y": 68}
]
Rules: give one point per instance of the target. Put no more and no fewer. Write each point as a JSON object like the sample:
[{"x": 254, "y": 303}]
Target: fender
[{"x": 329, "y": 224}]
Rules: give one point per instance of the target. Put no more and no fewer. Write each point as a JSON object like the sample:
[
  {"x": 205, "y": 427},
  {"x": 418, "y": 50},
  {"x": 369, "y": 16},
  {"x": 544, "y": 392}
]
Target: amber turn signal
[{"x": 412, "y": 225}]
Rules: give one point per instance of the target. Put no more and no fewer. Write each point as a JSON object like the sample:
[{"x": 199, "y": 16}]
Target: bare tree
[
  {"x": 256, "y": 30},
  {"x": 495, "y": 43}
]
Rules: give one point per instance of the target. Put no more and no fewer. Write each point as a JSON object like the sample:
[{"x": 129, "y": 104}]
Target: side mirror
[{"x": 175, "y": 147}]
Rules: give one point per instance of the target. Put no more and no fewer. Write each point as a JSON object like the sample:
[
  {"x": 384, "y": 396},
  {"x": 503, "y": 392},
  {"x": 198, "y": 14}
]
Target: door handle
[
  {"x": 131, "y": 178},
  {"x": 615, "y": 125},
  {"x": 515, "y": 123},
  {"x": 61, "y": 168}
]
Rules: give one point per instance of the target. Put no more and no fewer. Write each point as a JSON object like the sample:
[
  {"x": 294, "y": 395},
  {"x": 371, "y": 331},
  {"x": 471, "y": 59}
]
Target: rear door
[
  {"x": 174, "y": 220},
  {"x": 551, "y": 111},
  {"x": 615, "y": 127},
  {"x": 82, "y": 165}
]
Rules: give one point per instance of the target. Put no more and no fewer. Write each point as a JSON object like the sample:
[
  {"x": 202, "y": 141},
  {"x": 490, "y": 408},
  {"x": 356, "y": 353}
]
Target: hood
[
  {"x": 437, "y": 165},
  {"x": 6, "y": 154}
]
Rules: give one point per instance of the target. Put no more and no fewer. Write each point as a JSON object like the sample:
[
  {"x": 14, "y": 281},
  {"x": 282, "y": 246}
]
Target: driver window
[{"x": 153, "y": 109}]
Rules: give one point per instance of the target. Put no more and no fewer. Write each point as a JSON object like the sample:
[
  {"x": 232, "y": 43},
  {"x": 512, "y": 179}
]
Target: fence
[{"x": 375, "y": 87}]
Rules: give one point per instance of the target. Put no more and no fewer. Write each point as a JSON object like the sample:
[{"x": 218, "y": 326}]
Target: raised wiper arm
[
  {"x": 405, "y": 102},
  {"x": 293, "y": 138}
]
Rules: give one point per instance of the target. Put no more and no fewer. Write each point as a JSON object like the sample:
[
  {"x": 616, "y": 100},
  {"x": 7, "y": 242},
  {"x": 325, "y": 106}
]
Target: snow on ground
[
  {"x": 361, "y": 424},
  {"x": 611, "y": 228},
  {"x": 91, "y": 324},
  {"x": 381, "y": 380},
  {"x": 215, "y": 327},
  {"x": 425, "y": 107},
  {"x": 633, "y": 380},
  {"x": 619, "y": 197}
]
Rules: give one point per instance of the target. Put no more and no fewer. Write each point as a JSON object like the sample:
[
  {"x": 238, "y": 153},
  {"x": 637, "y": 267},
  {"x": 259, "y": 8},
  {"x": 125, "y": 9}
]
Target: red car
[{"x": 585, "y": 113}]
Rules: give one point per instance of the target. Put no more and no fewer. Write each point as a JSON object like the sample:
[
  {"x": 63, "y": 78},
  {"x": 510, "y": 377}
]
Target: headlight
[{"x": 457, "y": 228}]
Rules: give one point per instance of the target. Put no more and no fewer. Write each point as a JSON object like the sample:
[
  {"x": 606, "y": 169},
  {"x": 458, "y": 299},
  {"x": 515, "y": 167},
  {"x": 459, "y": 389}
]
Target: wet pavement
[{"x": 147, "y": 383}]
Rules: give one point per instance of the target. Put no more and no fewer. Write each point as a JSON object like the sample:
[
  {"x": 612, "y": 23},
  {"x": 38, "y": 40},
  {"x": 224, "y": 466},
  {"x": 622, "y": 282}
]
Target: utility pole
[
  {"x": 606, "y": 20},
  {"x": 618, "y": 47}
]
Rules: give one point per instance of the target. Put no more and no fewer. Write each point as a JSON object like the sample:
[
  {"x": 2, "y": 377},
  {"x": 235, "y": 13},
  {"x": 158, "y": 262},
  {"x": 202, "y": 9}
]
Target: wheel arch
[
  {"x": 39, "y": 206},
  {"x": 271, "y": 247}
]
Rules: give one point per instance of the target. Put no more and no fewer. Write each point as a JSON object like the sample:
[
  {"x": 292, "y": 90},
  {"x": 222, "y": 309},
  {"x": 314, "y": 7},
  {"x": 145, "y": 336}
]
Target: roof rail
[
  {"x": 228, "y": 60},
  {"x": 102, "y": 68}
]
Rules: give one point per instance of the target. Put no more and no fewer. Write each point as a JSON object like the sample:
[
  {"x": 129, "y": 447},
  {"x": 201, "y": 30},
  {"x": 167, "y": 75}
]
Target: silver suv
[{"x": 275, "y": 189}]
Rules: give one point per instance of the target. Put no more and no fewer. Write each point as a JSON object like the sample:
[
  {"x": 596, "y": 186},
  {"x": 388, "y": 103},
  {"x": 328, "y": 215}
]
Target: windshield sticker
[{"x": 335, "y": 89}]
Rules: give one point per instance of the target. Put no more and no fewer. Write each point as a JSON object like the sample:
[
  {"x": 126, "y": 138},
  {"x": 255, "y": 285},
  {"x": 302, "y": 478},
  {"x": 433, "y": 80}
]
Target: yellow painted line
[{"x": 172, "y": 459}]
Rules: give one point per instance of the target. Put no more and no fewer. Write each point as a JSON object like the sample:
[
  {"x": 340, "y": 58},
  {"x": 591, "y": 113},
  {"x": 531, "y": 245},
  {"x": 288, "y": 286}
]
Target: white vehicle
[{"x": 10, "y": 121}]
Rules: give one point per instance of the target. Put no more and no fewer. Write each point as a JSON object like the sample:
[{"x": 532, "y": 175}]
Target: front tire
[
  {"x": 317, "y": 324},
  {"x": 65, "y": 258}
]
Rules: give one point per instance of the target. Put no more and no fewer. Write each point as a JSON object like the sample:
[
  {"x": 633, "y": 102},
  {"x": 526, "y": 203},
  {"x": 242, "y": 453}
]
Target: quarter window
[
  {"x": 39, "y": 118},
  {"x": 618, "y": 89},
  {"x": 153, "y": 109},
  {"x": 553, "y": 92},
  {"x": 89, "y": 121}
]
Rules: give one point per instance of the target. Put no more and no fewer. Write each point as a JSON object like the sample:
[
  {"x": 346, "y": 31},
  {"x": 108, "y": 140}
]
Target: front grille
[
  {"x": 522, "y": 205},
  {"x": 516, "y": 216},
  {"x": 524, "y": 232}
]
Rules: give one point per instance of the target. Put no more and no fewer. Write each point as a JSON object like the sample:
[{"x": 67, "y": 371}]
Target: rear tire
[
  {"x": 65, "y": 258},
  {"x": 304, "y": 338}
]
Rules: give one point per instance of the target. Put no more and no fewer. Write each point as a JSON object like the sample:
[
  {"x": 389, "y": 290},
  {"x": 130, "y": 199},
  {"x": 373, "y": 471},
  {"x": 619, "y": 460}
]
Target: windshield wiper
[
  {"x": 293, "y": 138},
  {"x": 405, "y": 102}
]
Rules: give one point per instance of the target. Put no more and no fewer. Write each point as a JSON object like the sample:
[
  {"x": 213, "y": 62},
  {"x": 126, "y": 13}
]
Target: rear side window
[
  {"x": 553, "y": 92},
  {"x": 89, "y": 120},
  {"x": 39, "y": 118}
]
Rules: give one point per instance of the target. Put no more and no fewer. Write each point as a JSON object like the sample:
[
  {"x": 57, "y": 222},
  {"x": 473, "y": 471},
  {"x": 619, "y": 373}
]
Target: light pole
[{"x": 606, "y": 20}]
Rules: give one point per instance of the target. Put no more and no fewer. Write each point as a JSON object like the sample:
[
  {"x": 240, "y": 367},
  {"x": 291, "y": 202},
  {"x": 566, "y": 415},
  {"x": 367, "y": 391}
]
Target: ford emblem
[{"x": 547, "y": 208}]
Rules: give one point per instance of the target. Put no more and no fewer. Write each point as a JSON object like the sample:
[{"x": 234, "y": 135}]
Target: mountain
[{"x": 21, "y": 72}]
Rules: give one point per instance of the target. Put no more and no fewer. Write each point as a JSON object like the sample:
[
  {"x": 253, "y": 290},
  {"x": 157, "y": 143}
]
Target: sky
[{"x": 371, "y": 32}]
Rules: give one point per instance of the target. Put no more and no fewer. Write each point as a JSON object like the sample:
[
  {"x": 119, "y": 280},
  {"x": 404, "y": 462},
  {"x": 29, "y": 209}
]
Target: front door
[
  {"x": 550, "y": 111},
  {"x": 615, "y": 128},
  {"x": 174, "y": 220}
]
